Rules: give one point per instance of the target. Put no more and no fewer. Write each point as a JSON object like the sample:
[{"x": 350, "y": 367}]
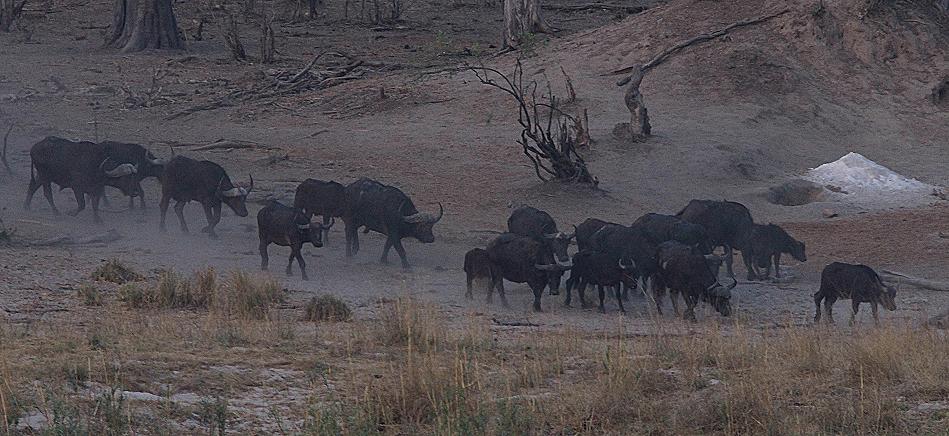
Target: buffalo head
[
  {"x": 312, "y": 231},
  {"x": 422, "y": 224},
  {"x": 797, "y": 251},
  {"x": 236, "y": 197},
  {"x": 719, "y": 296},
  {"x": 888, "y": 298},
  {"x": 558, "y": 243},
  {"x": 123, "y": 176}
]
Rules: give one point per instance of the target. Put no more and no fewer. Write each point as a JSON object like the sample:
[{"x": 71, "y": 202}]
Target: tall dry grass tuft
[
  {"x": 326, "y": 308},
  {"x": 246, "y": 297},
  {"x": 410, "y": 323}
]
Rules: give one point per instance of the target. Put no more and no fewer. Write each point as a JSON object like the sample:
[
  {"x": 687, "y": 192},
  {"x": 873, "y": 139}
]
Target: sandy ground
[{"x": 444, "y": 137}]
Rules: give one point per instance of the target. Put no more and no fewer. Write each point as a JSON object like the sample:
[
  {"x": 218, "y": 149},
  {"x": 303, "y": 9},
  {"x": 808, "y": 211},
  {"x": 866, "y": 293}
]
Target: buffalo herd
[{"x": 658, "y": 254}]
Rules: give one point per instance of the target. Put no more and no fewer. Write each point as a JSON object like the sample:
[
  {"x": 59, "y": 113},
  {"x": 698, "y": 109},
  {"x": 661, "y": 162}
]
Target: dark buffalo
[
  {"x": 478, "y": 267},
  {"x": 670, "y": 249},
  {"x": 585, "y": 231},
  {"x": 660, "y": 228},
  {"x": 537, "y": 224},
  {"x": 521, "y": 259},
  {"x": 685, "y": 271},
  {"x": 147, "y": 164},
  {"x": 727, "y": 223},
  {"x": 621, "y": 242},
  {"x": 593, "y": 267},
  {"x": 859, "y": 283},
  {"x": 84, "y": 167},
  {"x": 387, "y": 210},
  {"x": 287, "y": 227},
  {"x": 764, "y": 248},
  {"x": 186, "y": 179},
  {"x": 316, "y": 197}
]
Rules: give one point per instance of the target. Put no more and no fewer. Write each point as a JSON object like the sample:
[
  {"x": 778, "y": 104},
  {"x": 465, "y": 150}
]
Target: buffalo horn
[{"x": 122, "y": 170}]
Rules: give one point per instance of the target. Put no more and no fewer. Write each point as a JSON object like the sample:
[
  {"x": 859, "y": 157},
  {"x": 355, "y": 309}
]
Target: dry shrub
[
  {"x": 246, "y": 297},
  {"x": 115, "y": 271},
  {"x": 410, "y": 323},
  {"x": 326, "y": 308},
  {"x": 89, "y": 295}
]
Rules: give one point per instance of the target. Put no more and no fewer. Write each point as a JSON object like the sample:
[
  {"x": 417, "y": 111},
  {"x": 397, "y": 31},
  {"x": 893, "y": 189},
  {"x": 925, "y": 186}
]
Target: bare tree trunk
[
  {"x": 232, "y": 39},
  {"x": 639, "y": 126},
  {"x": 144, "y": 24},
  {"x": 9, "y": 11},
  {"x": 266, "y": 41},
  {"x": 521, "y": 18}
]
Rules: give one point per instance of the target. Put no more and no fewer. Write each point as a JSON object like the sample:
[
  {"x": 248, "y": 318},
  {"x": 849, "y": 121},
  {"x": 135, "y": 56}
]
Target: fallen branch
[
  {"x": 597, "y": 6},
  {"x": 110, "y": 236},
  {"x": 661, "y": 57},
  {"x": 514, "y": 323},
  {"x": 3, "y": 156},
  {"x": 898, "y": 278},
  {"x": 225, "y": 102},
  {"x": 230, "y": 144}
]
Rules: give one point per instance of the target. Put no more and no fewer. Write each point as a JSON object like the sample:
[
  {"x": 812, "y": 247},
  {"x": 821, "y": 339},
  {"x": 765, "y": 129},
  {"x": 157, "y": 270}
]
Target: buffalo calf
[
  {"x": 602, "y": 270},
  {"x": 859, "y": 283},
  {"x": 287, "y": 227},
  {"x": 478, "y": 267},
  {"x": 765, "y": 245}
]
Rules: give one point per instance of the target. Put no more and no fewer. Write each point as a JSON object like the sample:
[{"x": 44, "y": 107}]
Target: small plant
[
  {"x": 111, "y": 413},
  {"x": 408, "y": 322},
  {"x": 214, "y": 414},
  {"x": 245, "y": 297},
  {"x": 133, "y": 295},
  {"x": 327, "y": 308},
  {"x": 89, "y": 295},
  {"x": 115, "y": 271}
]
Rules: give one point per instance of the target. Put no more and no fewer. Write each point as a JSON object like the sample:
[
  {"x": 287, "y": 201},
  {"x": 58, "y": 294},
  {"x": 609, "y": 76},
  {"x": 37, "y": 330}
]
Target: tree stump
[
  {"x": 144, "y": 24},
  {"x": 521, "y": 18},
  {"x": 638, "y": 127}
]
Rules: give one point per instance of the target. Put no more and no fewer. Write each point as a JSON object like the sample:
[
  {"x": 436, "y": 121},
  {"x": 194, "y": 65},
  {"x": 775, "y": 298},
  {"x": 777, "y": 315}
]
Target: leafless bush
[
  {"x": 549, "y": 136},
  {"x": 232, "y": 39}
]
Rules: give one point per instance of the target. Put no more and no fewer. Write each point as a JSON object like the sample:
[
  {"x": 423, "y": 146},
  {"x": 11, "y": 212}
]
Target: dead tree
[
  {"x": 232, "y": 39},
  {"x": 547, "y": 138},
  {"x": 266, "y": 40},
  {"x": 9, "y": 12},
  {"x": 638, "y": 127},
  {"x": 521, "y": 18},
  {"x": 144, "y": 24}
]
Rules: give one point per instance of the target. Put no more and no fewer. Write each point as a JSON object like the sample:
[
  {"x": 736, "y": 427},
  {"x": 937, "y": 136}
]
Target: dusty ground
[{"x": 731, "y": 118}]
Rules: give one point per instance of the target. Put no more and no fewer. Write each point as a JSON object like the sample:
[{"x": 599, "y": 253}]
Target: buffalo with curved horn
[
  {"x": 386, "y": 210},
  {"x": 186, "y": 180},
  {"x": 684, "y": 270},
  {"x": 539, "y": 225},
  {"x": 521, "y": 259}
]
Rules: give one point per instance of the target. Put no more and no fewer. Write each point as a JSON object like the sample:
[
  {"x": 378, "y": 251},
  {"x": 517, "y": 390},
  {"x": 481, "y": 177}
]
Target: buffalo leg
[
  {"x": 141, "y": 199},
  {"x": 876, "y": 316},
  {"x": 829, "y": 308},
  {"x": 674, "y": 296},
  {"x": 398, "y": 249},
  {"x": 80, "y": 204},
  {"x": 326, "y": 230},
  {"x": 94, "y": 198},
  {"x": 297, "y": 253},
  {"x": 501, "y": 293},
  {"x": 555, "y": 279},
  {"x": 180, "y": 211},
  {"x": 777, "y": 265},
  {"x": 818, "y": 297},
  {"x": 48, "y": 193},
  {"x": 352, "y": 239},
  {"x": 619, "y": 299},
  {"x": 385, "y": 251},
  {"x": 163, "y": 210},
  {"x": 131, "y": 202},
  {"x": 538, "y": 289},
  {"x": 855, "y": 305},
  {"x": 215, "y": 219},
  {"x": 209, "y": 215},
  {"x": 264, "y": 257},
  {"x": 469, "y": 279},
  {"x": 602, "y": 295},
  {"x": 582, "y": 294},
  {"x": 746, "y": 258},
  {"x": 571, "y": 282},
  {"x": 657, "y": 295},
  {"x": 689, "y": 314},
  {"x": 729, "y": 260}
]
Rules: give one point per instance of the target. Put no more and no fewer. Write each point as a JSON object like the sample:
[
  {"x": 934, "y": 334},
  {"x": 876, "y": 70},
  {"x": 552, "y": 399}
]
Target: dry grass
[
  {"x": 327, "y": 308},
  {"x": 115, "y": 271},
  {"x": 415, "y": 372}
]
